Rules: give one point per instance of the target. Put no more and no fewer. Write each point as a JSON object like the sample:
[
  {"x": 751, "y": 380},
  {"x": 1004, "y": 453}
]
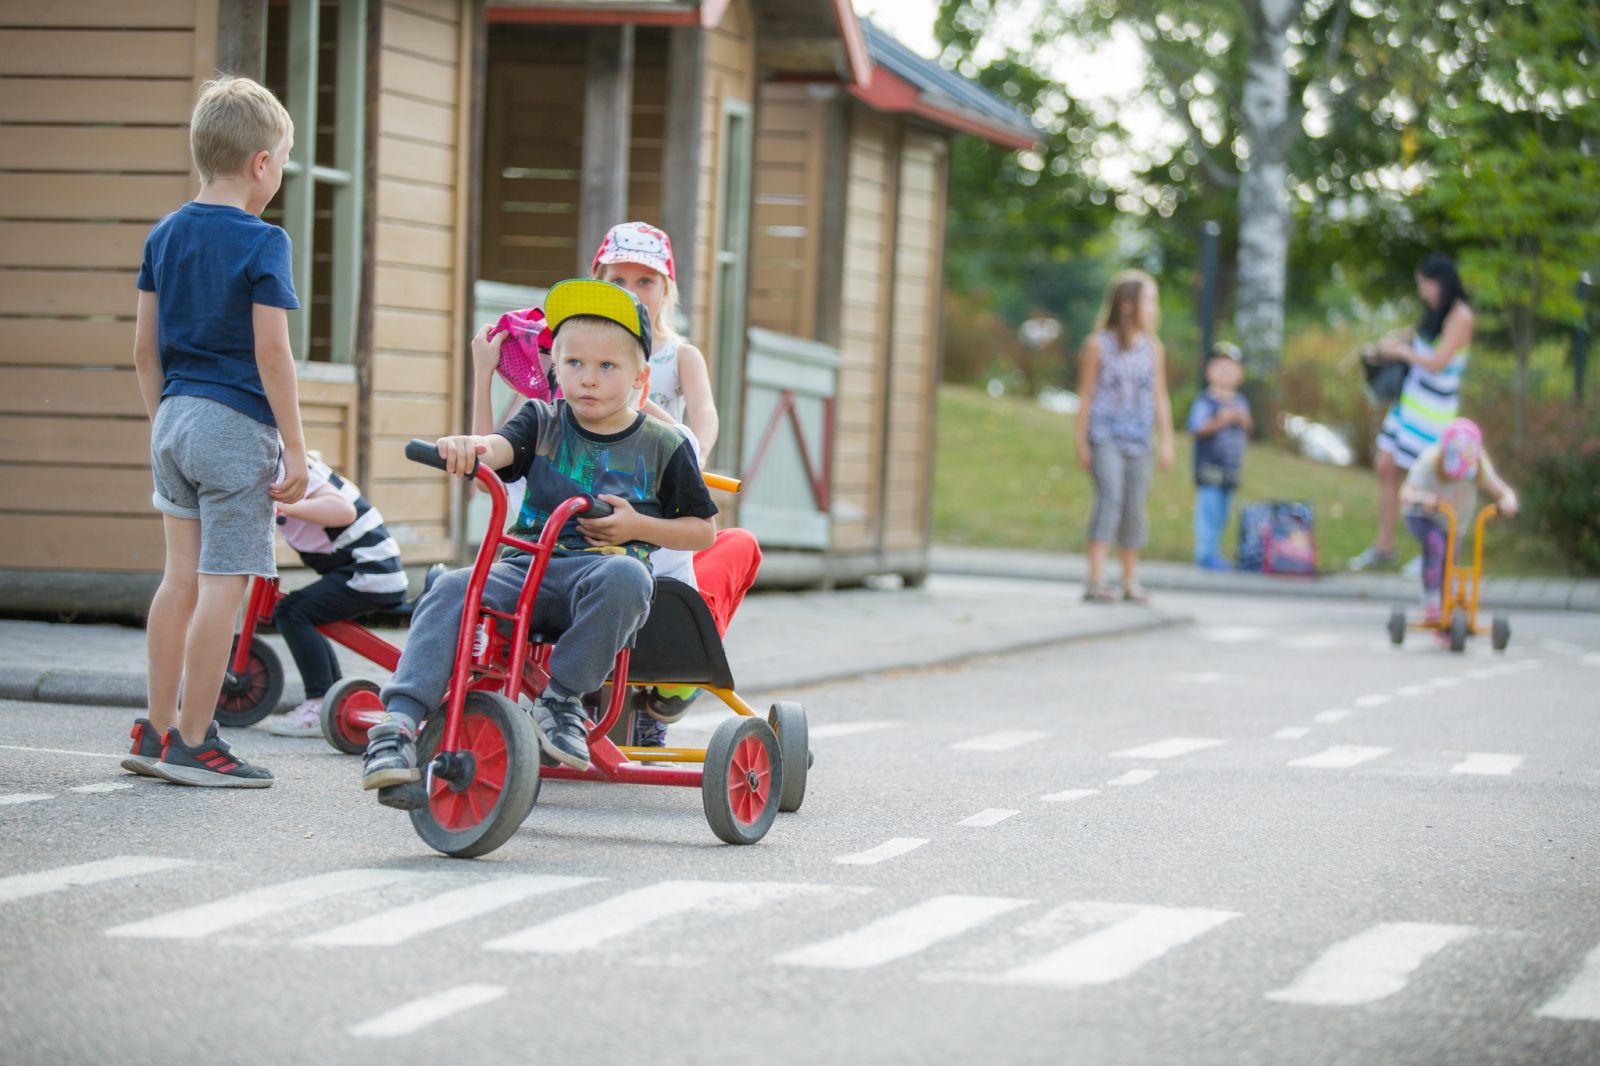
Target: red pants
[{"x": 725, "y": 571}]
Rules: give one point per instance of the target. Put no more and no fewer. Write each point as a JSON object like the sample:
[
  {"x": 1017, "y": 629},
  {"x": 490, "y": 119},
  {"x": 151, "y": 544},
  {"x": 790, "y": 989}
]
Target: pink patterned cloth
[{"x": 525, "y": 353}]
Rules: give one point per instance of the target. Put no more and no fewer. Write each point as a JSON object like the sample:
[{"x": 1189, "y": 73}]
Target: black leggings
[{"x": 298, "y": 615}]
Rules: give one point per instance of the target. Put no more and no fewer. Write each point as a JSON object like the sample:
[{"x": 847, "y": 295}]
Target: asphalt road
[{"x": 1264, "y": 838}]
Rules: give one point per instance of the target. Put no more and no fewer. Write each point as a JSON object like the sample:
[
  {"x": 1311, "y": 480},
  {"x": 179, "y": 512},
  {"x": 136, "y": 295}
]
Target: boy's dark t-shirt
[
  {"x": 1219, "y": 457},
  {"x": 207, "y": 263},
  {"x": 649, "y": 464}
]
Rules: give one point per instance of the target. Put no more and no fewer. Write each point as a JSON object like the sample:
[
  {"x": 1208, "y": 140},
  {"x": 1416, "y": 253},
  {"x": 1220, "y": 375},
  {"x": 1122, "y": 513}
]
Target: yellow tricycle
[{"x": 1459, "y": 617}]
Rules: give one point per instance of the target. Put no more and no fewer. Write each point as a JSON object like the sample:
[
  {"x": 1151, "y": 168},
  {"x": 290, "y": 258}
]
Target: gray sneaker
[
  {"x": 1373, "y": 559},
  {"x": 391, "y": 756},
  {"x": 567, "y": 738}
]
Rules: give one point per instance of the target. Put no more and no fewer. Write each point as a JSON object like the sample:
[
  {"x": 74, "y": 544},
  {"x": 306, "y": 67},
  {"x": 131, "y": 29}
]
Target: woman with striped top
[
  {"x": 1430, "y": 398},
  {"x": 341, "y": 536}
]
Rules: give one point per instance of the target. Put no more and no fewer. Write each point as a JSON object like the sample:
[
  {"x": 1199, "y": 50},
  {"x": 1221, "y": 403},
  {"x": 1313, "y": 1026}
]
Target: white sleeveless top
[{"x": 666, "y": 389}]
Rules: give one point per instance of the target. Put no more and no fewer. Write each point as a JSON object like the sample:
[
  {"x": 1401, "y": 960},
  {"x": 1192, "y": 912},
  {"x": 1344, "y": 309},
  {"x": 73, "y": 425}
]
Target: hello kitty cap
[{"x": 636, "y": 242}]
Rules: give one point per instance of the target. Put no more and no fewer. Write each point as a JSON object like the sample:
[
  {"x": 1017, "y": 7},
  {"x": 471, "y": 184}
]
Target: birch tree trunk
[{"x": 1263, "y": 192}]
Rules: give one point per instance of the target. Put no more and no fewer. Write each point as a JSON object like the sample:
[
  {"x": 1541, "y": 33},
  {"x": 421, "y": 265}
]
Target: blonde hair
[
  {"x": 596, "y": 324},
  {"x": 233, "y": 120},
  {"x": 1126, "y": 286}
]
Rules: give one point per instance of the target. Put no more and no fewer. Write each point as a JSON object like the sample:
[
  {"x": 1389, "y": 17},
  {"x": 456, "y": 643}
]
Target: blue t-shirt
[
  {"x": 207, "y": 263},
  {"x": 1219, "y": 457}
]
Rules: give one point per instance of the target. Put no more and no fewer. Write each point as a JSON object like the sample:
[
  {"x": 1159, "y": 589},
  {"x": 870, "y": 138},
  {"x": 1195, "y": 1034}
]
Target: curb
[
  {"x": 1538, "y": 594},
  {"x": 107, "y": 688}
]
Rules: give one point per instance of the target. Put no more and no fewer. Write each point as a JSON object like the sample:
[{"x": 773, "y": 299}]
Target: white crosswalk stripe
[
  {"x": 1580, "y": 999},
  {"x": 1487, "y": 762},
  {"x": 1372, "y": 965},
  {"x": 1004, "y": 740},
  {"x": 1340, "y": 757},
  {"x": 889, "y": 849},
  {"x": 399, "y": 924},
  {"x": 21, "y": 886},
  {"x": 992, "y": 816},
  {"x": 12, "y": 799},
  {"x": 1070, "y": 794},
  {"x": 902, "y": 933},
  {"x": 193, "y": 923},
  {"x": 1133, "y": 777},
  {"x": 625, "y": 914},
  {"x": 1131, "y": 936},
  {"x": 421, "y": 1013},
  {"x": 1170, "y": 748}
]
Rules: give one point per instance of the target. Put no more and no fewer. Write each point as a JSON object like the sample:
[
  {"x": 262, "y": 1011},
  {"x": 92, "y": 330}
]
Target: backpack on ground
[{"x": 1278, "y": 537}]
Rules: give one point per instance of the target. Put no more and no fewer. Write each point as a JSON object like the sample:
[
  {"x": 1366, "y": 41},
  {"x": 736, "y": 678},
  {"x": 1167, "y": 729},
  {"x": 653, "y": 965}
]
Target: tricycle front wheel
[
  {"x": 496, "y": 785},
  {"x": 743, "y": 780},
  {"x": 347, "y": 696}
]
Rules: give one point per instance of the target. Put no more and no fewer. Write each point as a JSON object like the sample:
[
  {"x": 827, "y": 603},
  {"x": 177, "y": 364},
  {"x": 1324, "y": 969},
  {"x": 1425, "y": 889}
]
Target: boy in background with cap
[
  {"x": 597, "y": 589},
  {"x": 1221, "y": 424}
]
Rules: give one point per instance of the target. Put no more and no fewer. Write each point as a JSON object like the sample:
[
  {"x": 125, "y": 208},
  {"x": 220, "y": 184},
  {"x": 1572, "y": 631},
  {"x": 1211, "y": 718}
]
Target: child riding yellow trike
[{"x": 1459, "y": 607}]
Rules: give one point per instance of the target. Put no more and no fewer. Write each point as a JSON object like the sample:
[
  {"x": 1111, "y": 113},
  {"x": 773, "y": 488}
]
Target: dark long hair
[{"x": 1441, "y": 268}]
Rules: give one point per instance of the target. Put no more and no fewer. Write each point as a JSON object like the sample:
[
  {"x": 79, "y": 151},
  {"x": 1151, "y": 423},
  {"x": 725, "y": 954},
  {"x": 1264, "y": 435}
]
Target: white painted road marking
[
  {"x": 1310, "y": 642},
  {"x": 1580, "y": 1000},
  {"x": 846, "y": 729},
  {"x": 102, "y": 786},
  {"x": 1231, "y": 634},
  {"x": 194, "y": 923},
  {"x": 1413, "y": 690},
  {"x": 1170, "y": 748},
  {"x": 1331, "y": 716},
  {"x": 1486, "y": 762},
  {"x": 1444, "y": 682},
  {"x": 1371, "y": 965},
  {"x": 1204, "y": 677},
  {"x": 1561, "y": 646},
  {"x": 1135, "y": 936},
  {"x": 399, "y": 924},
  {"x": 421, "y": 1013},
  {"x": 1339, "y": 756},
  {"x": 628, "y": 913},
  {"x": 1070, "y": 794},
  {"x": 12, "y": 799},
  {"x": 991, "y": 816},
  {"x": 1376, "y": 699},
  {"x": 21, "y": 886},
  {"x": 61, "y": 751},
  {"x": 903, "y": 933},
  {"x": 1133, "y": 777},
  {"x": 889, "y": 849},
  {"x": 1004, "y": 740},
  {"x": 1293, "y": 732}
]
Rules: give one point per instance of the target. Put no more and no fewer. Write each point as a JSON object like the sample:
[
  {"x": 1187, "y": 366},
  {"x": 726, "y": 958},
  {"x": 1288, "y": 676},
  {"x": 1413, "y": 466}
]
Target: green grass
[{"x": 1007, "y": 476}]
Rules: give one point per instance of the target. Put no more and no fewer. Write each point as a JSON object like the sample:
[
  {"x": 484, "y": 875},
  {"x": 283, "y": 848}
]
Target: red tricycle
[
  {"x": 253, "y": 684},
  {"x": 1459, "y": 599},
  {"x": 481, "y": 760}
]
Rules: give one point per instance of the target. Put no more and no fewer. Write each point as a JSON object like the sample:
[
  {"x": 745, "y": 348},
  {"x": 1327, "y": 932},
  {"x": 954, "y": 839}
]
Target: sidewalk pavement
[
  {"x": 1520, "y": 593},
  {"x": 778, "y": 641}
]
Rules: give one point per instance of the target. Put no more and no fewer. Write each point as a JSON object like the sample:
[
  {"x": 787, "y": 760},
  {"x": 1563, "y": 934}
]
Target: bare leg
[
  {"x": 1130, "y": 562},
  {"x": 167, "y": 627},
  {"x": 1388, "y": 501},
  {"x": 206, "y": 656},
  {"x": 1097, "y": 561}
]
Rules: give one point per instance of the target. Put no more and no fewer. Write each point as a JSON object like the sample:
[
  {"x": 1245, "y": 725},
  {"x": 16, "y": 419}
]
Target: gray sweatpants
[
  {"x": 596, "y": 602},
  {"x": 1121, "y": 483}
]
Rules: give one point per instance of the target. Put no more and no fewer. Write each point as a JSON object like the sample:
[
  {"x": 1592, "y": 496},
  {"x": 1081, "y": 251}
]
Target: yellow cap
[{"x": 584, "y": 297}]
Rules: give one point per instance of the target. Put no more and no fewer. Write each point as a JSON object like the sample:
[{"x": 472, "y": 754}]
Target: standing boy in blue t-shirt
[
  {"x": 1220, "y": 422},
  {"x": 211, "y": 346}
]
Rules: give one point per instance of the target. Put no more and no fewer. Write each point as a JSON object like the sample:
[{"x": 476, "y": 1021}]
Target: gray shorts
[
  {"x": 1121, "y": 483},
  {"x": 213, "y": 464}
]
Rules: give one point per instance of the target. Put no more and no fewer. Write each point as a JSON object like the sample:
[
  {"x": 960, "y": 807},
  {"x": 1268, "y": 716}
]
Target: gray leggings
[
  {"x": 1121, "y": 483},
  {"x": 595, "y": 602}
]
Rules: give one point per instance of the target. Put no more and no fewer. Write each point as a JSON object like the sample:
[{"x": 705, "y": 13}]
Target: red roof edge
[{"x": 891, "y": 93}]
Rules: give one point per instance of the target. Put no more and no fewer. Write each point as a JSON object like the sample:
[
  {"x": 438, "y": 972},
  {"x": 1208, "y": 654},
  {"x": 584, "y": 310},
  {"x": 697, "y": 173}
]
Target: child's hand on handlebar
[
  {"x": 613, "y": 528},
  {"x": 460, "y": 454}
]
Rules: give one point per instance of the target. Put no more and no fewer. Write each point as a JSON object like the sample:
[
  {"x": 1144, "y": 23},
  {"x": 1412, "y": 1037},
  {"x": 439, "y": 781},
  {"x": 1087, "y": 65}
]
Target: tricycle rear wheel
[
  {"x": 1458, "y": 632},
  {"x": 743, "y": 780},
  {"x": 1397, "y": 626},
  {"x": 251, "y": 695},
  {"x": 479, "y": 812},
  {"x": 788, "y": 721},
  {"x": 1500, "y": 633}
]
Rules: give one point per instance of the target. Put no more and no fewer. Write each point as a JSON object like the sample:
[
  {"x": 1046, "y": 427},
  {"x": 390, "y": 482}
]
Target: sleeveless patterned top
[{"x": 1123, "y": 410}]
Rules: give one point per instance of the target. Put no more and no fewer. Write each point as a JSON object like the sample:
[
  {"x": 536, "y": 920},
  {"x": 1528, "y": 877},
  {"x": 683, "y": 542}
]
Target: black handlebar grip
[
  {"x": 427, "y": 453},
  {"x": 599, "y": 508}
]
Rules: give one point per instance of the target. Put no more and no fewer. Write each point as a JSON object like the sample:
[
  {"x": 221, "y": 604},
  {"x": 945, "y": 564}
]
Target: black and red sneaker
[
  {"x": 211, "y": 765},
  {"x": 146, "y": 750}
]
